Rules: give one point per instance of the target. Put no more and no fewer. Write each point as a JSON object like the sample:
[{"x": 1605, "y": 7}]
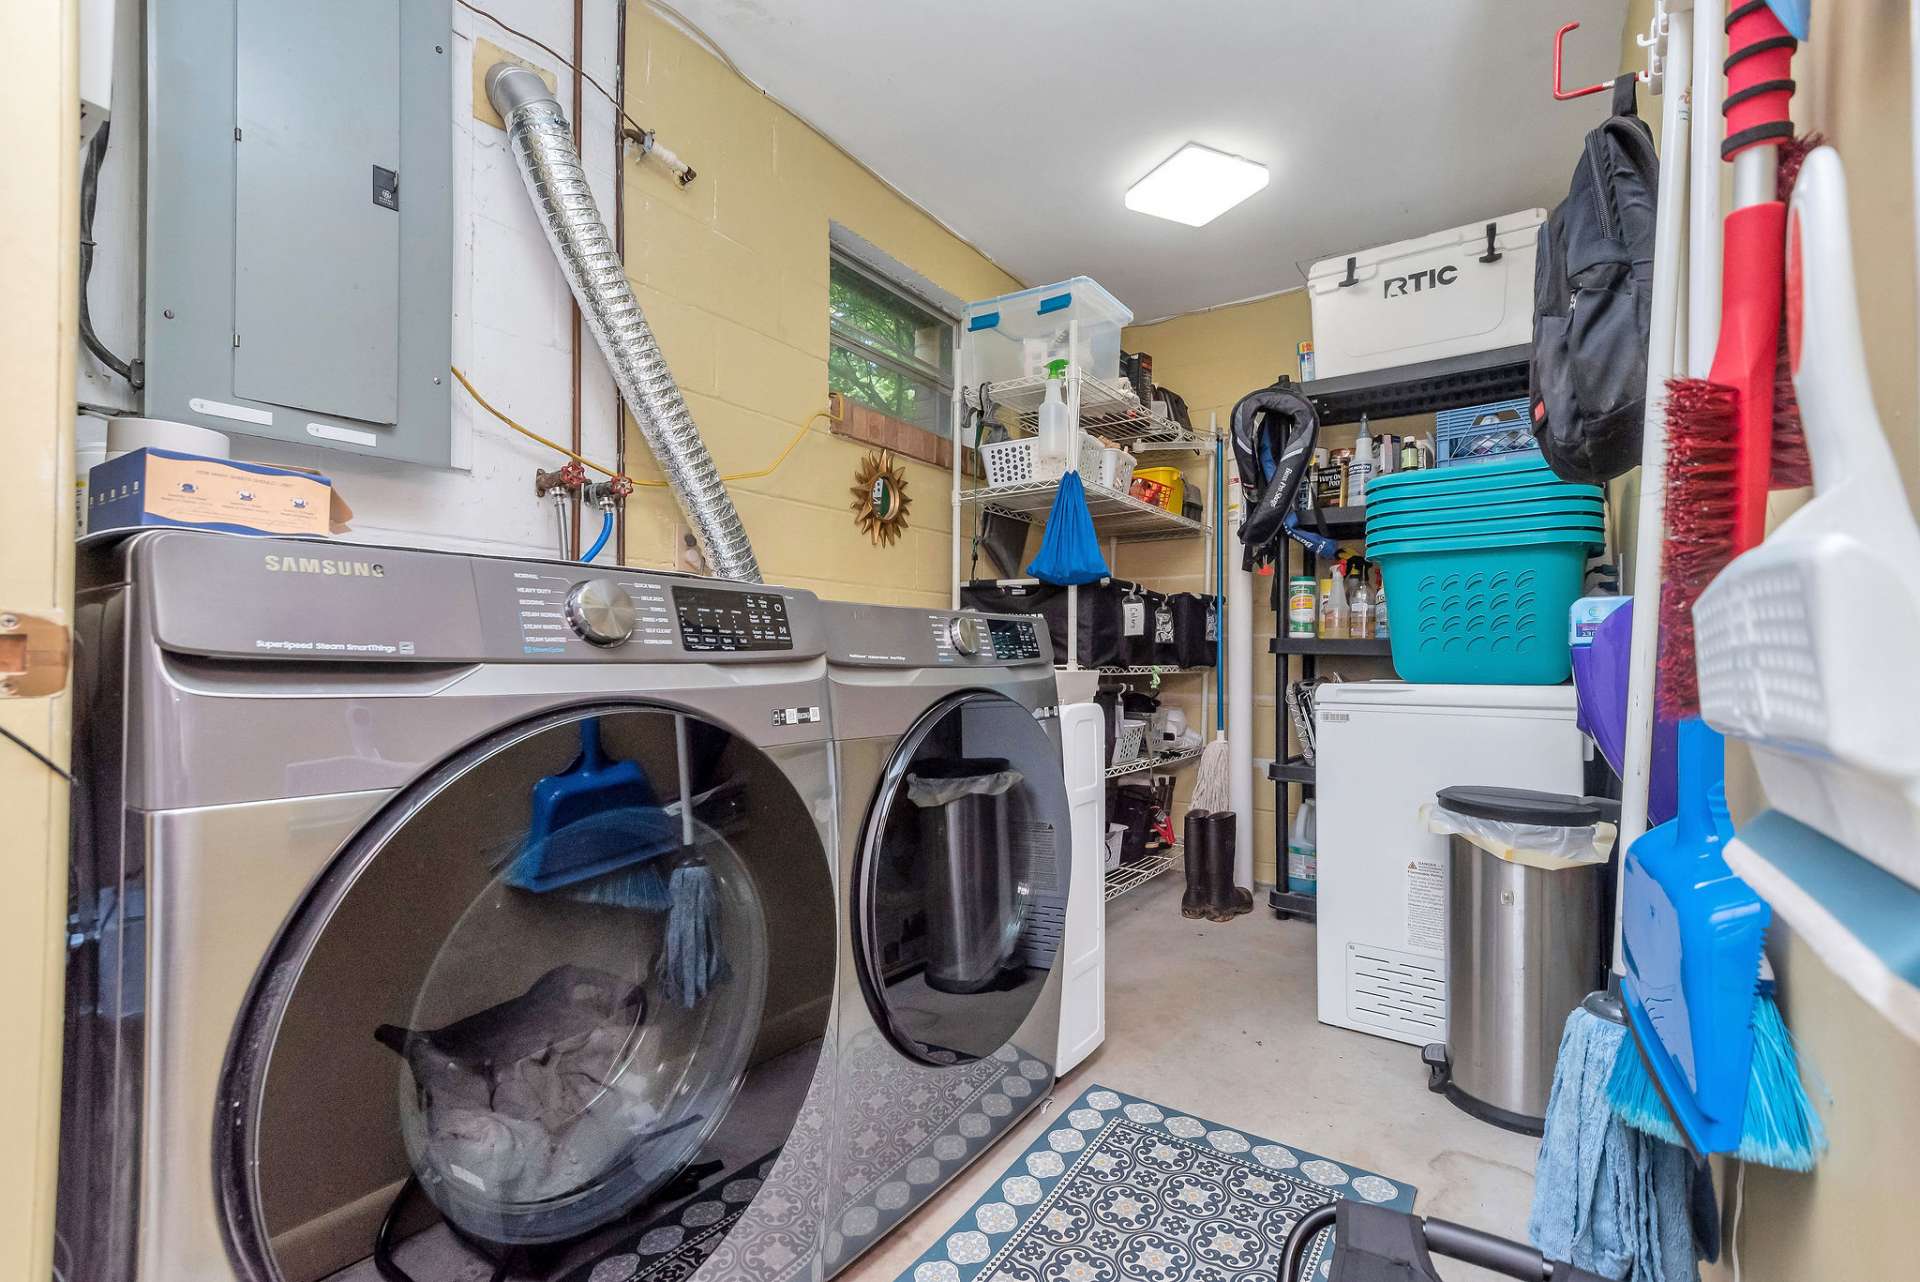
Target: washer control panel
[
  {"x": 1009, "y": 640},
  {"x": 722, "y": 620}
]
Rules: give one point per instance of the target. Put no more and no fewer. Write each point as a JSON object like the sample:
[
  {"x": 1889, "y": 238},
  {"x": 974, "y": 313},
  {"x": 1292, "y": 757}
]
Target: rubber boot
[
  {"x": 1195, "y": 902},
  {"x": 1225, "y": 901}
]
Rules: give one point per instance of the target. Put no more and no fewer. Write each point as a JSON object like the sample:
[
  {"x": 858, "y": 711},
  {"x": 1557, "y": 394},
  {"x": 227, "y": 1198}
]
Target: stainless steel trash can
[
  {"x": 972, "y": 922},
  {"x": 1524, "y": 946}
]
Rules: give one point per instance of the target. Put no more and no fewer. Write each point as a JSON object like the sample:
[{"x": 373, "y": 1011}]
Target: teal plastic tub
[
  {"x": 1487, "y": 613},
  {"x": 1471, "y": 520},
  {"x": 1474, "y": 481},
  {"x": 1589, "y": 531},
  {"x": 1444, "y": 503}
]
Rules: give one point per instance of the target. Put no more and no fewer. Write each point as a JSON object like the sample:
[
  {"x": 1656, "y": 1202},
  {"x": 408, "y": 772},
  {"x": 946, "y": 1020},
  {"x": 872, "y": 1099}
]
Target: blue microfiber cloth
[
  {"x": 1069, "y": 550},
  {"x": 1605, "y": 1197}
]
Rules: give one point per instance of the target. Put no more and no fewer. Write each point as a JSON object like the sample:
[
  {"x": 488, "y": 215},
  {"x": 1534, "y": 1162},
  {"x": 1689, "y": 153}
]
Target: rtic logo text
[{"x": 1395, "y": 286}]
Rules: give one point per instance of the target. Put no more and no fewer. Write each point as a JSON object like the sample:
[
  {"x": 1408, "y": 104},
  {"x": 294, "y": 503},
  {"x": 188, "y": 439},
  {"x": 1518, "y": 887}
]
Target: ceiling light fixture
[{"x": 1196, "y": 185}]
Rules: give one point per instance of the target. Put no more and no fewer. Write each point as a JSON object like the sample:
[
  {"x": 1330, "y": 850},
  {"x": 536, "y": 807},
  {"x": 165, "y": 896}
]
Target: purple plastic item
[{"x": 1600, "y": 682}]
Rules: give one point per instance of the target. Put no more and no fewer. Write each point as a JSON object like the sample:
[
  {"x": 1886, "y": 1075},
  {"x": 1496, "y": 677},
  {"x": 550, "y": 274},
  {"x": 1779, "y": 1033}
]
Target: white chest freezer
[{"x": 1384, "y": 748}]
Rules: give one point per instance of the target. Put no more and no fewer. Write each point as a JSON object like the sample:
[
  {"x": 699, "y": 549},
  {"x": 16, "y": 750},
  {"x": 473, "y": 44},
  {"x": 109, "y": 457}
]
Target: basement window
[{"x": 890, "y": 351}]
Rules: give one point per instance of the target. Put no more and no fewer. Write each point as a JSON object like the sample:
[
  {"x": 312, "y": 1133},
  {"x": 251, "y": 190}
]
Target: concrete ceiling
[{"x": 1020, "y": 124}]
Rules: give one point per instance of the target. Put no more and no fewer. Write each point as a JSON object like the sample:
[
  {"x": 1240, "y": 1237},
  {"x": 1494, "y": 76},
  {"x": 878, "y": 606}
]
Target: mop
[
  {"x": 1597, "y": 1183},
  {"x": 1705, "y": 1028},
  {"x": 598, "y": 835},
  {"x": 1213, "y": 785}
]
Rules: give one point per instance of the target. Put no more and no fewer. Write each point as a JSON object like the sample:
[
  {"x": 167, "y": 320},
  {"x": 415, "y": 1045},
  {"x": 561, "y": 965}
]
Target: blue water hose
[{"x": 606, "y": 532}]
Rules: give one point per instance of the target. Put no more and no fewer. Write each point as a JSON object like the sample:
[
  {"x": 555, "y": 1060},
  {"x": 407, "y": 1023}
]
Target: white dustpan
[{"x": 1807, "y": 643}]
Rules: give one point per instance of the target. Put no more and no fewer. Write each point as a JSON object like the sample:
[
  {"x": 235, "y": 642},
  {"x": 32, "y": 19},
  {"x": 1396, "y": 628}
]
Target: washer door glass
[
  {"x": 961, "y": 880},
  {"x": 538, "y": 986}
]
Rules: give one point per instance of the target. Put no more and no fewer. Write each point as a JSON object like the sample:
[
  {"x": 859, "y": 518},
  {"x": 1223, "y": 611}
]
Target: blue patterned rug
[{"x": 1125, "y": 1190}]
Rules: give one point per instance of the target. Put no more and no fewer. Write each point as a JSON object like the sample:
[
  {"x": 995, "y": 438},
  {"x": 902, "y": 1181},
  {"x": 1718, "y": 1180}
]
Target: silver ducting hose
[{"x": 557, "y": 183}]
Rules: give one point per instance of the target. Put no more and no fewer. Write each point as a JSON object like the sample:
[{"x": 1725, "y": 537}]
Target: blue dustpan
[
  {"x": 596, "y": 817},
  {"x": 1691, "y": 935}
]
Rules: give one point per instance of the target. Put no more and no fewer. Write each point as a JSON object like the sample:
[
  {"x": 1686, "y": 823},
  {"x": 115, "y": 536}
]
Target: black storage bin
[
  {"x": 1099, "y": 628},
  {"x": 1166, "y": 651},
  {"x": 1139, "y": 626},
  {"x": 1196, "y": 623},
  {"x": 1132, "y": 804}
]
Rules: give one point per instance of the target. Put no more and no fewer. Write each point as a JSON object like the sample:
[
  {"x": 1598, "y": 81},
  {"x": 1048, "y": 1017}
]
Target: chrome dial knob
[
  {"x": 966, "y": 634},
  {"x": 600, "y": 611}
]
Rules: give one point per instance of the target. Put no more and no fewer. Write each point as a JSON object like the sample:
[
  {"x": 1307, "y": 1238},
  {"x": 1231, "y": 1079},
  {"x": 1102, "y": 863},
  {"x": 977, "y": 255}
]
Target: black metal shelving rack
[{"x": 1425, "y": 388}]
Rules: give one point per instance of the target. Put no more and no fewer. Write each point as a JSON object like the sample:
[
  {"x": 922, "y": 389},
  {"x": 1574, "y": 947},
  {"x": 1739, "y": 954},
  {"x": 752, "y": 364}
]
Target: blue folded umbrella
[{"x": 1069, "y": 550}]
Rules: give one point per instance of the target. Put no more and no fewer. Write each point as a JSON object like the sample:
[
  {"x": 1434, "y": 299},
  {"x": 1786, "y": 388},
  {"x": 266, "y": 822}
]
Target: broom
[
  {"x": 1720, "y": 439},
  {"x": 1213, "y": 783}
]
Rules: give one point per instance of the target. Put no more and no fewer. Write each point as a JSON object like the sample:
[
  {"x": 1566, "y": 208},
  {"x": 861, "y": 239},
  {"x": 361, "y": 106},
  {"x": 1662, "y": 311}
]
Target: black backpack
[{"x": 1592, "y": 300}]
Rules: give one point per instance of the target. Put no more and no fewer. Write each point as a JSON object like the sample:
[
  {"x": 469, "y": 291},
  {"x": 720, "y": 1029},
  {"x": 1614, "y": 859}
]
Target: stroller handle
[{"x": 1454, "y": 1241}]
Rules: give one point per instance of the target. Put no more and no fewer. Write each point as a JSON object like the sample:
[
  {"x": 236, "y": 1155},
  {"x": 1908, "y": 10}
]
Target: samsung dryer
[
  {"x": 955, "y": 859},
  {"x": 345, "y": 955}
]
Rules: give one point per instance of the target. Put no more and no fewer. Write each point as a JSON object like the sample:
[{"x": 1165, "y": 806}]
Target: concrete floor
[{"x": 1218, "y": 1020}]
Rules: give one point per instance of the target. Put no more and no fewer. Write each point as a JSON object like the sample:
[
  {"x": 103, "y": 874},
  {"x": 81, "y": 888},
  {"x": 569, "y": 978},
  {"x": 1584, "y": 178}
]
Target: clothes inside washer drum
[{"x": 517, "y": 1101}]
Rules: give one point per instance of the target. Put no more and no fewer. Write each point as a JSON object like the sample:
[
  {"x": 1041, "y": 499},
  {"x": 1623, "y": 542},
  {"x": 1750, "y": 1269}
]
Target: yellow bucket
[{"x": 1176, "y": 491}]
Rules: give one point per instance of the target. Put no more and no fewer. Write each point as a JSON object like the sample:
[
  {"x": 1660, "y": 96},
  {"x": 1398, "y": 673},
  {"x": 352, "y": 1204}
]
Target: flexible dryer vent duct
[{"x": 543, "y": 145}]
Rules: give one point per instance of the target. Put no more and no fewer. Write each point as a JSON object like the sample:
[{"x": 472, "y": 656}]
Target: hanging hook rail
[{"x": 1562, "y": 94}]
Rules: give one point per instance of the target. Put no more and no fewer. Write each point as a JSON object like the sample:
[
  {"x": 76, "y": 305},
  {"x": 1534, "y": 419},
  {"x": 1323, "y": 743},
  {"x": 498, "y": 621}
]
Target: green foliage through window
[{"x": 888, "y": 351}]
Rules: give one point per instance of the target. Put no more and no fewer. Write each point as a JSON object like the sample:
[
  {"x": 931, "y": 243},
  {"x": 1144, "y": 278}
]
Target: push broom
[{"x": 1710, "y": 1061}]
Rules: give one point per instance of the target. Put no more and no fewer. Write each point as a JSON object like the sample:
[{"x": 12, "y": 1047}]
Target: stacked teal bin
[{"x": 1481, "y": 564}]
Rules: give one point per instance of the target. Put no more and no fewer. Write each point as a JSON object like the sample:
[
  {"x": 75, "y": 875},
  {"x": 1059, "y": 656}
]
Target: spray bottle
[
  {"x": 1360, "y": 470},
  {"x": 1056, "y": 425}
]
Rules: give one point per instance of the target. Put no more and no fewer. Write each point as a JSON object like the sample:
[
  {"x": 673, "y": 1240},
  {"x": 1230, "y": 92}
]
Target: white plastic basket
[
  {"x": 1116, "y": 469},
  {"x": 1013, "y": 462},
  {"x": 1130, "y": 741}
]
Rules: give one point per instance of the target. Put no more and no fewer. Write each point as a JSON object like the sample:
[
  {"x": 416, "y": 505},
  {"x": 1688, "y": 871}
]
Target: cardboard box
[{"x": 166, "y": 487}]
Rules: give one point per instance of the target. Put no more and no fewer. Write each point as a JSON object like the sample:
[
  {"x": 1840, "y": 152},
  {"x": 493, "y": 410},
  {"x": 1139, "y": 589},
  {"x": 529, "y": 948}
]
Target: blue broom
[{"x": 1715, "y": 1066}]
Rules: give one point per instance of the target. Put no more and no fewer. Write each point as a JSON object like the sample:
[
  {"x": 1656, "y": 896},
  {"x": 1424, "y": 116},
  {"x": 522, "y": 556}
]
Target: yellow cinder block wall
[
  {"x": 1212, "y": 359},
  {"x": 732, "y": 274}
]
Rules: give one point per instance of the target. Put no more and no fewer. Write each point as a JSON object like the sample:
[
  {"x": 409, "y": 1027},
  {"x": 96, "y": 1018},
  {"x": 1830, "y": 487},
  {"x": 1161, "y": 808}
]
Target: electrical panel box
[{"x": 299, "y": 252}]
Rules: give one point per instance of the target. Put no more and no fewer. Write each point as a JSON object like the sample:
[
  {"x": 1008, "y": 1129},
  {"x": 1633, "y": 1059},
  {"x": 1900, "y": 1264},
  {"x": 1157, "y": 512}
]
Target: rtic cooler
[{"x": 1448, "y": 294}]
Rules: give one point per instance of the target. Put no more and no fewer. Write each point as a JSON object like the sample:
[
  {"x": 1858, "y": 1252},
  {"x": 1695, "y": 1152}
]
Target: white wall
[{"x": 511, "y": 312}]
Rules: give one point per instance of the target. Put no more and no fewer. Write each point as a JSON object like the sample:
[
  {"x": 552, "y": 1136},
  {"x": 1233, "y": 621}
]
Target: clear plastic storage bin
[{"x": 1016, "y": 335}]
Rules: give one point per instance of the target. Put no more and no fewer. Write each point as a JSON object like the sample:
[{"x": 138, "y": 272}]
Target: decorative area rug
[
  {"x": 673, "y": 1247},
  {"x": 1125, "y": 1190}
]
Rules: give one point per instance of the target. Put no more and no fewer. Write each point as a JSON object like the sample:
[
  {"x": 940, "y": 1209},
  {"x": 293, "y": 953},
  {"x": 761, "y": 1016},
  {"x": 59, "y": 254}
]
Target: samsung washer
[
  {"x": 954, "y": 869},
  {"x": 308, "y": 972}
]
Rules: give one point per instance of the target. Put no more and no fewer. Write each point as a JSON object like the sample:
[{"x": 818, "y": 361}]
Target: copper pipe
[
  {"x": 620, "y": 247},
  {"x": 579, "y": 32}
]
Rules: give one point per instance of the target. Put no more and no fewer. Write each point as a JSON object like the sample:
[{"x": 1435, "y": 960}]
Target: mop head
[
  {"x": 1606, "y": 1198},
  {"x": 691, "y": 964},
  {"x": 1213, "y": 785},
  {"x": 1780, "y": 1127}
]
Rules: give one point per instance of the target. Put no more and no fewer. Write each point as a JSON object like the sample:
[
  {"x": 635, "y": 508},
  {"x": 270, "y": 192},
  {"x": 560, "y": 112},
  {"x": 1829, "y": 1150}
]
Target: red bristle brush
[
  {"x": 1720, "y": 430},
  {"x": 1792, "y": 466}
]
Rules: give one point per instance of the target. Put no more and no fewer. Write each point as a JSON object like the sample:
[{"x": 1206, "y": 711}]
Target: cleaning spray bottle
[
  {"x": 1360, "y": 470},
  {"x": 1056, "y": 425}
]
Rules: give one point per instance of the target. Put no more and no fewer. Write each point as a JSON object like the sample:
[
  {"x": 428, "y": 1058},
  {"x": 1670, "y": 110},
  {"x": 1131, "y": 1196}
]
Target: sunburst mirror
[{"x": 880, "y": 499}]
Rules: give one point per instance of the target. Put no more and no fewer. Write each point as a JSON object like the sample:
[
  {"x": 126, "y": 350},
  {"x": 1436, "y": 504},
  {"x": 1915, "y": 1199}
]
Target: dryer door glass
[
  {"x": 538, "y": 986},
  {"x": 962, "y": 880}
]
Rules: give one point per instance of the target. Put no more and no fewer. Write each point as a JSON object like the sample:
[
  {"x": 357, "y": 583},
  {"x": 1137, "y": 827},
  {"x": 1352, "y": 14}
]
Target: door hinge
[
  {"x": 236, "y": 133},
  {"x": 35, "y": 652},
  {"x": 236, "y": 340}
]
